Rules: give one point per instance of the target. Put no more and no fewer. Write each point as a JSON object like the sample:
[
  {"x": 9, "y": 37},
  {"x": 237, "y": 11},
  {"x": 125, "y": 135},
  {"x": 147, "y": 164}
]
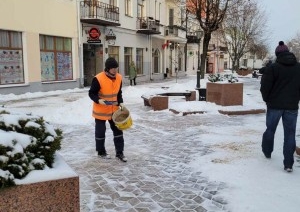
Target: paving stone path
[{"x": 156, "y": 177}]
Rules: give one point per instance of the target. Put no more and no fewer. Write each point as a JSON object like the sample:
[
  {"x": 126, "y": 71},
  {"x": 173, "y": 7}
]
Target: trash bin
[{"x": 202, "y": 94}]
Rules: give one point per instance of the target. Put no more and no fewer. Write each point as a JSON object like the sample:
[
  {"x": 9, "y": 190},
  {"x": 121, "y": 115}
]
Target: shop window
[
  {"x": 11, "y": 58},
  {"x": 56, "y": 58},
  {"x": 127, "y": 59},
  {"x": 139, "y": 60},
  {"x": 156, "y": 61},
  {"x": 128, "y": 7},
  {"x": 180, "y": 59},
  {"x": 113, "y": 51}
]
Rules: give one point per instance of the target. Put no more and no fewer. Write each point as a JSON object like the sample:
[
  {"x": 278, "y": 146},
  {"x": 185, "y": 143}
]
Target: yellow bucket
[{"x": 122, "y": 119}]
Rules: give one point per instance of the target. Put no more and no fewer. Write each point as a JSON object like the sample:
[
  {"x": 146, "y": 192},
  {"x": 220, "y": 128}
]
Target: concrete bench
[
  {"x": 161, "y": 101},
  {"x": 189, "y": 95},
  {"x": 156, "y": 102}
]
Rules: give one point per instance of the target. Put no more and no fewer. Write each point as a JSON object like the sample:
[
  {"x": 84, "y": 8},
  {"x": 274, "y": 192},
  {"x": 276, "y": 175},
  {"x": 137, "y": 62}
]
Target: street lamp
[{"x": 199, "y": 35}]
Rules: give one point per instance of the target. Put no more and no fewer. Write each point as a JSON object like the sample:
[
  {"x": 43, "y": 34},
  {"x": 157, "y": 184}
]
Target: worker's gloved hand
[
  {"x": 101, "y": 102},
  {"x": 122, "y": 106}
]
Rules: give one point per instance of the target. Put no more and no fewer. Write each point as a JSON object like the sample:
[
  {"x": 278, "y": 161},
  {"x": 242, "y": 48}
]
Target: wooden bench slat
[
  {"x": 176, "y": 94},
  {"x": 160, "y": 101}
]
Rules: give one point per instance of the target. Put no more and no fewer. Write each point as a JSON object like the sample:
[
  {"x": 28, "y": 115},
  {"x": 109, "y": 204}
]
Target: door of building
[{"x": 92, "y": 61}]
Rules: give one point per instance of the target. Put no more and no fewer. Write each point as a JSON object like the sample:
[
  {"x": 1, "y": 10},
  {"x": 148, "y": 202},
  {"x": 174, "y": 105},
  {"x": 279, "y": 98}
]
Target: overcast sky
[{"x": 283, "y": 19}]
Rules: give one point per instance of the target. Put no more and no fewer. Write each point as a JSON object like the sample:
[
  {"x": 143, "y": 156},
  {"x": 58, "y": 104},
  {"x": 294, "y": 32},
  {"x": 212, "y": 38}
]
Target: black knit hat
[
  {"x": 281, "y": 48},
  {"x": 111, "y": 63}
]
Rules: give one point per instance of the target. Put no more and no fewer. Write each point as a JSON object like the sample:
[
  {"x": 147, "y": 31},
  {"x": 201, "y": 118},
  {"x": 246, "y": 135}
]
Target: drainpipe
[
  {"x": 150, "y": 56},
  {"x": 185, "y": 46},
  {"x": 80, "y": 67}
]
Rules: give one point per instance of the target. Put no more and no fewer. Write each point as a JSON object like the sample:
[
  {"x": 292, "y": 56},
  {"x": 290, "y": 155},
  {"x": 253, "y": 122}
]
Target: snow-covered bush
[
  {"x": 26, "y": 143},
  {"x": 231, "y": 78}
]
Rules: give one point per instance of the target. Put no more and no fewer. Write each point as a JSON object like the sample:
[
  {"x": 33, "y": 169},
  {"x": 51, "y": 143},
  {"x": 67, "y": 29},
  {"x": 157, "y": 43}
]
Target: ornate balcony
[
  {"x": 99, "y": 13},
  {"x": 147, "y": 26}
]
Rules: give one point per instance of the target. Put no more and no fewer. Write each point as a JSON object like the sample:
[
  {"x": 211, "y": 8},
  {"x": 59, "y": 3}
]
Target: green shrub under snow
[
  {"x": 230, "y": 78},
  {"x": 26, "y": 143}
]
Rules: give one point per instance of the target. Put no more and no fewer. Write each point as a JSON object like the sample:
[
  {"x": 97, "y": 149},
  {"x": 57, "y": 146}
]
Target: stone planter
[
  {"x": 225, "y": 94},
  {"x": 52, "y": 195}
]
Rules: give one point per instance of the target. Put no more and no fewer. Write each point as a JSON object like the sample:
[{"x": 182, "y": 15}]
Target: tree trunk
[{"x": 206, "y": 40}]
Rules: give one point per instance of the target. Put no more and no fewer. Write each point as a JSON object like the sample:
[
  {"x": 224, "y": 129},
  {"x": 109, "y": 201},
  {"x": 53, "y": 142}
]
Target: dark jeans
[
  {"x": 289, "y": 121},
  {"x": 133, "y": 81},
  {"x": 100, "y": 129}
]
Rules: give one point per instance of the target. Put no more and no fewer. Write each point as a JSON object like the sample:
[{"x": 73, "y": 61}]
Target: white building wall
[{"x": 34, "y": 18}]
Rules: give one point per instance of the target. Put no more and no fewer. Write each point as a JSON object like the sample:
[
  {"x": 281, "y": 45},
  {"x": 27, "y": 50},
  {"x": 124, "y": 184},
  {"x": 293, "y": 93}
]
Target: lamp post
[
  {"x": 185, "y": 47},
  {"x": 199, "y": 35}
]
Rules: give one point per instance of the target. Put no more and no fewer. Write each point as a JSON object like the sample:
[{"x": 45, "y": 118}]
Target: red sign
[{"x": 94, "y": 35}]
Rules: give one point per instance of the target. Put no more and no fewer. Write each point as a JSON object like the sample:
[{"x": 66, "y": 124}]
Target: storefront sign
[{"x": 94, "y": 35}]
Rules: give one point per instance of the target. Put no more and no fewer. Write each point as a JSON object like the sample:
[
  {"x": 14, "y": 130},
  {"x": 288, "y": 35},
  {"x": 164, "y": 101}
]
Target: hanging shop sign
[
  {"x": 110, "y": 37},
  {"x": 94, "y": 35}
]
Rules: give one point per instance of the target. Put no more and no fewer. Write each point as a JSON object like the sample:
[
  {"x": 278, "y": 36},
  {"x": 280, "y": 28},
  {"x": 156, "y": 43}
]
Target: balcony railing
[
  {"x": 96, "y": 12},
  {"x": 175, "y": 33},
  {"x": 147, "y": 26},
  {"x": 192, "y": 38}
]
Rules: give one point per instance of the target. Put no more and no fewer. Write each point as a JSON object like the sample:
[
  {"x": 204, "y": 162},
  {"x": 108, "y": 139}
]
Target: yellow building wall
[{"x": 35, "y": 17}]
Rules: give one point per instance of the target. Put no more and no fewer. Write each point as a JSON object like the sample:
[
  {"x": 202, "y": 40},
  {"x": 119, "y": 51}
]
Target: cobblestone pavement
[{"x": 157, "y": 176}]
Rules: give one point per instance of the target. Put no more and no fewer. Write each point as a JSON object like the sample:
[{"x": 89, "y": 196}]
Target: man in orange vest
[{"x": 106, "y": 93}]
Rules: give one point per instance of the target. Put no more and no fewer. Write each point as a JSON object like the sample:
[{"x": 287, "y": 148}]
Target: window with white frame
[
  {"x": 180, "y": 60},
  {"x": 11, "y": 58},
  {"x": 139, "y": 60},
  {"x": 171, "y": 17},
  {"x": 156, "y": 61},
  {"x": 56, "y": 58},
  {"x": 113, "y": 51},
  {"x": 128, "y": 7},
  {"x": 140, "y": 9},
  {"x": 127, "y": 59}
]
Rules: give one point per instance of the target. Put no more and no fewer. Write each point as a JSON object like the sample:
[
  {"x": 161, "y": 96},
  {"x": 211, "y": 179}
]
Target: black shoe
[
  {"x": 288, "y": 169},
  {"x": 267, "y": 155},
  {"x": 121, "y": 157},
  {"x": 104, "y": 155}
]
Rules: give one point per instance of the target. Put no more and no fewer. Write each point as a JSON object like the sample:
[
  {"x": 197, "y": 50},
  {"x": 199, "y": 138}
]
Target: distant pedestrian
[
  {"x": 254, "y": 74},
  {"x": 106, "y": 93},
  {"x": 280, "y": 89},
  {"x": 132, "y": 73}
]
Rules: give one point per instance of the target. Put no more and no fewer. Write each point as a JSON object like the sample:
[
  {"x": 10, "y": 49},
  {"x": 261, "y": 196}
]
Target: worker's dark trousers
[{"x": 100, "y": 129}]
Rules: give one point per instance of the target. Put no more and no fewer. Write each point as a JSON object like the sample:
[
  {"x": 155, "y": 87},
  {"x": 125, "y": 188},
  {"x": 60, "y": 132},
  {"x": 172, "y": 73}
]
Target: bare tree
[
  {"x": 294, "y": 45},
  {"x": 243, "y": 28},
  {"x": 209, "y": 14},
  {"x": 260, "y": 50}
]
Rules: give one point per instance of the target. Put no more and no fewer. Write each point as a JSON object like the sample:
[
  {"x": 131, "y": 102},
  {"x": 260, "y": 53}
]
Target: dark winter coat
[
  {"x": 263, "y": 69},
  {"x": 280, "y": 84}
]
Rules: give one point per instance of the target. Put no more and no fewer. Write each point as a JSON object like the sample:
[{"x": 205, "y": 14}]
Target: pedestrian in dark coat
[{"x": 280, "y": 89}]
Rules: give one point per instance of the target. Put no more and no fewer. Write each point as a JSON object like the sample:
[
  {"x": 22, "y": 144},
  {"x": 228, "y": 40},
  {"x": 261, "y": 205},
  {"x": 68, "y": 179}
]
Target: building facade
[
  {"x": 62, "y": 44},
  {"x": 38, "y": 46}
]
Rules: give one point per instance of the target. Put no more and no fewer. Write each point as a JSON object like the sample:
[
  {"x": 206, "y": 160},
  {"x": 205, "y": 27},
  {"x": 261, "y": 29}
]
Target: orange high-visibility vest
[{"x": 109, "y": 89}]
